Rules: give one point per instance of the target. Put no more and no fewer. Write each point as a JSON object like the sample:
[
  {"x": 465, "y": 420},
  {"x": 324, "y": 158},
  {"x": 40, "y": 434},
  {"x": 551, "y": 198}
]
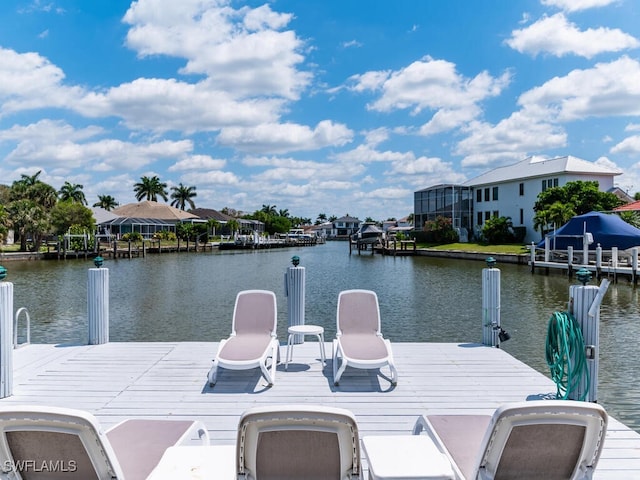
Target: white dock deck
[{"x": 159, "y": 380}]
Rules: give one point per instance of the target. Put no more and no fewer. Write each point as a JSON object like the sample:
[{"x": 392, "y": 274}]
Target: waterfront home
[
  {"x": 509, "y": 191},
  {"x": 344, "y": 227},
  {"x": 146, "y": 218}
]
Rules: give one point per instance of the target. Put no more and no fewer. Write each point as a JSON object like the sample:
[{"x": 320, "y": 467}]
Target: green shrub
[{"x": 132, "y": 236}]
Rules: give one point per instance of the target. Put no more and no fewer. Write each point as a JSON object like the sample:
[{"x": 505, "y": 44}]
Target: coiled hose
[{"x": 565, "y": 354}]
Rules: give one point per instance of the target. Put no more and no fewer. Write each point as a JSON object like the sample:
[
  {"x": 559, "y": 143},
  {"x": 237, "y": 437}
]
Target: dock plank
[{"x": 116, "y": 381}]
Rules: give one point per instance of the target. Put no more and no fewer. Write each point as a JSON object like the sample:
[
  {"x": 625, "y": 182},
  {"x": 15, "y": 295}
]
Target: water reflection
[{"x": 190, "y": 297}]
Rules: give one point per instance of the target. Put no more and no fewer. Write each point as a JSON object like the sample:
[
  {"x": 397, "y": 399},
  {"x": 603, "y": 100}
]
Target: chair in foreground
[
  {"x": 298, "y": 441},
  {"x": 550, "y": 439},
  {"x": 253, "y": 337},
  {"x": 61, "y": 443},
  {"x": 359, "y": 342}
]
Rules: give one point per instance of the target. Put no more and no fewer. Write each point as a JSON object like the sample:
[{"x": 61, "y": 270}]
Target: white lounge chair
[
  {"x": 298, "y": 441},
  {"x": 253, "y": 337},
  {"x": 61, "y": 443},
  {"x": 359, "y": 342},
  {"x": 543, "y": 439}
]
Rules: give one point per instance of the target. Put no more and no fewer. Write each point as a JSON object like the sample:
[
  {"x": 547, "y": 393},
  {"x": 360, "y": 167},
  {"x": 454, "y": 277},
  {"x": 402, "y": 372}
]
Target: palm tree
[
  {"x": 72, "y": 192},
  {"x": 182, "y": 195},
  {"x": 284, "y": 213},
  {"x": 30, "y": 180},
  {"x": 106, "y": 201},
  {"x": 269, "y": 209},
  {"x": 150, "y": 188}
]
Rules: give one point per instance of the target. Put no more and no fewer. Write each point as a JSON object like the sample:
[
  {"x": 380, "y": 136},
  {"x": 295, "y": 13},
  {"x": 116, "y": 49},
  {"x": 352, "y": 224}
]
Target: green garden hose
[{"x": 566, "y": 355}]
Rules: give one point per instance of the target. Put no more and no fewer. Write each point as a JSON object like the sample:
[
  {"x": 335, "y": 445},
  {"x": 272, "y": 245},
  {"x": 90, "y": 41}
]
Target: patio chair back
[
  {"x": 292, "y": 442},
  {"x": 254, "y": 313},
  {"x": 358, "y": 312}
]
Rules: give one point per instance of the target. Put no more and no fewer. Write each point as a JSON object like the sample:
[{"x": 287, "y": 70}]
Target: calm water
[{"x": 181, "y": 297}]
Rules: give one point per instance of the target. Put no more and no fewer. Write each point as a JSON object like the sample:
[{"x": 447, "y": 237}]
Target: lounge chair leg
[{"x": 213, "y": 374}]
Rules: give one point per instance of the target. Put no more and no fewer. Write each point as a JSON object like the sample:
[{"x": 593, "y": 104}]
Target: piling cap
[
  {"x": 491, "y": 262},
  {"x": 3, "y": 273},
  {"x": 98, "y": 261},
  {"x": 295, "y": 260}
]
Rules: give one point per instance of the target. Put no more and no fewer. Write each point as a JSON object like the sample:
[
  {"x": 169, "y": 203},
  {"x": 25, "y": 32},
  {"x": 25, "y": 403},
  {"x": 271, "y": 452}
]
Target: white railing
[{"x": 15, "y": 328}]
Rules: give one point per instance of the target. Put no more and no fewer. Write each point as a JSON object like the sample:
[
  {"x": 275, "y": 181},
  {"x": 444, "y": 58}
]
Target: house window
[
  {"x": 495, "y": 214},
  {"x": 487, "y": 215},
  {"x": 522, "y": 189},
  {"x": 521, "y": 216},
  {"x": 479, "y": 195},
  {"x": 486, "y": 194},
  {"x": 495, "y": 193},
  {"x": 555, "y": 182},
  {"x": 479, "y": 222}
]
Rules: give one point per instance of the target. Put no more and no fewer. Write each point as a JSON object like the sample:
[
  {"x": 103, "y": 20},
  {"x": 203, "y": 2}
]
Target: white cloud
[
  {"x": 628, "y": 146},
  {"x": 214, "y": 177},
  {"x": 607, "y": 89},
  {"x": 197, "y": 162},
  {"x": 577, "y": 5},
  {"x": 241, "y": 51},
  {"x": 286, "y": 137},
  {"x": 30, "y": 81},
  {"x": 559, "y": 37},
  {"x": 430, "y": 84},
  {"x": 508, "y": 141}
]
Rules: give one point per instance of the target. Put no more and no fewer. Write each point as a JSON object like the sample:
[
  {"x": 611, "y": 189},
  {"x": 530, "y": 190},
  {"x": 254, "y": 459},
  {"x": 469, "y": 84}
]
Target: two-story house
[{"x": 509, "y": 191}]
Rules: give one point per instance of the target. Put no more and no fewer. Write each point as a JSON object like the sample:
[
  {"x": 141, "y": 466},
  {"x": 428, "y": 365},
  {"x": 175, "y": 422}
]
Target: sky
[{"x": 317, "y": 106}]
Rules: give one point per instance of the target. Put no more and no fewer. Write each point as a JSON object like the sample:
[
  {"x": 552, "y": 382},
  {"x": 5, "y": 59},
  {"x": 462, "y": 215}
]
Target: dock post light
[
  {"x": 98, "y": 261},
  {"x": 583, "y": 275}
]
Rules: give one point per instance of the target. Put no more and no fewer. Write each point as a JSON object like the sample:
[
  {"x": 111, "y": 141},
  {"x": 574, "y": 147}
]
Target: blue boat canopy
[{"x": 608, "y": 230}]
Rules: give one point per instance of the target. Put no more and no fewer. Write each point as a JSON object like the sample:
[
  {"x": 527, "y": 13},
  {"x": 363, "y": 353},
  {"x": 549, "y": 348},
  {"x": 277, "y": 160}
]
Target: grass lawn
[{"x": 477, "y": 247}]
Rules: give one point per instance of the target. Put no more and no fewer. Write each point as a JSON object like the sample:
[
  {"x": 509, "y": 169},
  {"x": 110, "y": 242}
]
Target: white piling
[
  {"x": 98, "y": 305},
  {"x": 584, "y": 304},
  {"x": 6, "y": 339},
  {"x": 294, "y": 286},
  {"x": 490, "y": 306}
]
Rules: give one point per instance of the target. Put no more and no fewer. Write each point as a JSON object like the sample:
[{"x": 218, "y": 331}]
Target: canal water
[{"x": 190, "y": 297}]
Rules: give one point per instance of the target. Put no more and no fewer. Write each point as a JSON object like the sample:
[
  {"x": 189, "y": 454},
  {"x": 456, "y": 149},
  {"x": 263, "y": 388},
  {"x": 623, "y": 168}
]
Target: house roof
[
  {"x": 347, "y": 218},
  {"x": 538, "y": 166},
  {"x": 629, "y": 207},
  {"x": 102, "y": 216},
  {"x": 210, "y": 213},
  {"x": 152, "y": 210}
]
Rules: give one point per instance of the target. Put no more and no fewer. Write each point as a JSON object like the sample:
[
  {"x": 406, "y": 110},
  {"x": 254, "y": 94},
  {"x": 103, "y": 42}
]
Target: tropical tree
[
  {"x": 28, "y": 218},
  {"x": 497, "y": 230},
  {"x": 182, "y": 195},
  {"x": 269, "y": 209},
  {"x": 150, "y": 188},
  {"x": 30, "y": 203},
  {"x": 107, "y": 202},
  {"x": 559, "y": 204},
  {"x": 4, "y": 223},
  {"x": 233, "y": 225},
  {"x": 632, "y": 218},
  {"x": 582, "y": 196},
  {"x": 333, "y": 218},
  {"x": 284, "y": 213},
  {"x": 68, "y": 213},
  {"x": 322, "y": 217},
  {"x": 72, "y": 192}
]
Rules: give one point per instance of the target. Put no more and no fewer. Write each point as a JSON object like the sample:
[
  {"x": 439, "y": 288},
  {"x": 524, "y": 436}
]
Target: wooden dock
[{"x": 115, "y": 381}]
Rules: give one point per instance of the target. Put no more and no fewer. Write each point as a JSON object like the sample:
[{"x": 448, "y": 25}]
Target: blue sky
[{"x": 325, "y": 106}]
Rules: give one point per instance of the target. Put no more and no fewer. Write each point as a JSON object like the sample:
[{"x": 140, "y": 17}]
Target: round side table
[{"x": 304, "y": 330}]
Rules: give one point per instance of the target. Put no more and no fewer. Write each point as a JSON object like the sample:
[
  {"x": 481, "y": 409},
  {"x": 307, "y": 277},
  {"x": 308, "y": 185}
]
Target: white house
[{"x": 511, "y": 191}]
